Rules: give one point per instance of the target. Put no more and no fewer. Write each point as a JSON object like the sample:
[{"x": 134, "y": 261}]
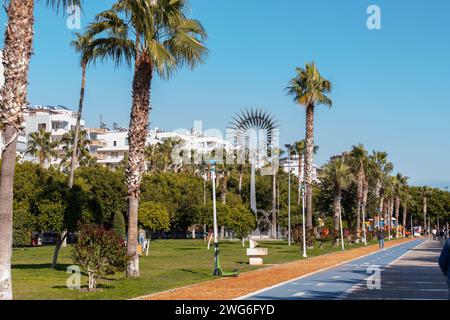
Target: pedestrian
[
  {"x": 381, "y": 235},
  {"x": 434, "y": 232},
  {"x": 441, "y": 236},
  {"x": 444, "y": 263}
]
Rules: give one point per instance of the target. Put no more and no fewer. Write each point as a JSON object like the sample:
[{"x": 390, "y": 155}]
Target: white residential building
[
  {"x": 109, "y": 147},
  {"x": 294, "y": 167}
]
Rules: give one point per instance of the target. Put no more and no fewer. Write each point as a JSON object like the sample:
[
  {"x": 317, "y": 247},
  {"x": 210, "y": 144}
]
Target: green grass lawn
[{"x": 170, "y": 264}]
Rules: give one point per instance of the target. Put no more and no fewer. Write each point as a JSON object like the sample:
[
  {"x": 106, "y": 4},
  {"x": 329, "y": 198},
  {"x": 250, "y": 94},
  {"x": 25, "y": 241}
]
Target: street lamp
[
  {"x": 216, "y": 243},
  {"x": 303, "y": 220},
  {"x": 288, "y": 147}
]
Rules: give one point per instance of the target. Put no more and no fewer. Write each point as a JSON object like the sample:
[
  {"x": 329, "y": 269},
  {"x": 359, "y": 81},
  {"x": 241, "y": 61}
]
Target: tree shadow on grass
[
  {"x": 99, "y": 286},
  {"x": 58, "y": 267}
]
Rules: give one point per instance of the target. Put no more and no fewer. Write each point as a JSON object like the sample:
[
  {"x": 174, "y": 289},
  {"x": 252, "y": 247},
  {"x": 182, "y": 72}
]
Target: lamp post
[
  {"x": 216, "y": 243},
  {"x": 303, "y": 221},
  {"x": 288, "y": 147}
]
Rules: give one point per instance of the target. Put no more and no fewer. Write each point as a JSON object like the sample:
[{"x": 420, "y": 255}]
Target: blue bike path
[{"x": 334, "y": 283}]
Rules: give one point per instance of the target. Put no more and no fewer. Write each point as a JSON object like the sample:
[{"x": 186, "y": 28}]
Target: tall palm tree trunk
[
  {"x": 241, "y": 174},
  {"x": 397, "y": 215},
  {"x": 380, "y": 208},
  {"x": 6, "y": 213},
  {"x": 391, "y": 214},
  {"x": 405, "y": 213},
  {"x": 309, "y": 139},
  {"x": 136, "y": 165},
  {"x": 425, "y": 215},
  {"x": 73, "y": 162},
  {"x": 13, "y": 100},
  {"x": 364, "y": 206},
  {"x": 337, "y": 214}
]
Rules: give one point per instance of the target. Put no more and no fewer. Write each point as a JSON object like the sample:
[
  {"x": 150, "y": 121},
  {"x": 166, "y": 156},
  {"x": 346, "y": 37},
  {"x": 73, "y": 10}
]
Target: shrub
[
  {"x": 99, "y": 252},
  {"x": 119, "y": 224}
]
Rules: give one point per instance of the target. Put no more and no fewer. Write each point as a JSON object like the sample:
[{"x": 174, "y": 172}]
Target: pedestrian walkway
[
  {"x": 337, "y": 282},
  {"x": 414, "y": 276}
]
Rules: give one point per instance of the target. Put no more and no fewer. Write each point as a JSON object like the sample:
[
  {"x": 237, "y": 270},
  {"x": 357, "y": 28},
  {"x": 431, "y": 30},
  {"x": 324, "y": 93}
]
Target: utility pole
[{"x": 216, "y": 242}]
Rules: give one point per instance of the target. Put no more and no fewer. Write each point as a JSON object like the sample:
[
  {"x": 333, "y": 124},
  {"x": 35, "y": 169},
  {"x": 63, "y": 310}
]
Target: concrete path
[{"x": 349, "y": 280}]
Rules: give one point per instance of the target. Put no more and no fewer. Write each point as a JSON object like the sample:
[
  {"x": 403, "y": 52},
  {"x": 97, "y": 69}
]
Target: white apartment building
[
  {"x": 55, "y": 119},
  {"x": 109, "y": 147},
  {"x": 293, "y": 165}
]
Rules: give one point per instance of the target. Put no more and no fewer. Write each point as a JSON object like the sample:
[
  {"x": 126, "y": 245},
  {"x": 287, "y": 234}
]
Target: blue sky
[{"x": 389, "y": 90}]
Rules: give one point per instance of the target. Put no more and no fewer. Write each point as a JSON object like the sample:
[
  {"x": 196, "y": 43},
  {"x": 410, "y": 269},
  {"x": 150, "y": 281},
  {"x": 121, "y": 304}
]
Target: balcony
[{"x": 98, "y": 143}]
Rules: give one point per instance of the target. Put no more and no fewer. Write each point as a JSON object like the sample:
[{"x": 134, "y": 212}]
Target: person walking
[
  {"x": 441, "y": 236},
  {"x": 444, "y": 263},
  {"x": 381, "y": 235},
  {"x": 434, "y": 232}
]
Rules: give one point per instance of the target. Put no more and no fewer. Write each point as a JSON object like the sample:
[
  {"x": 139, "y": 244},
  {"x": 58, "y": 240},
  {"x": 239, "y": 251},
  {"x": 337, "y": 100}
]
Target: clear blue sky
[{"x": 390, "y": 85}]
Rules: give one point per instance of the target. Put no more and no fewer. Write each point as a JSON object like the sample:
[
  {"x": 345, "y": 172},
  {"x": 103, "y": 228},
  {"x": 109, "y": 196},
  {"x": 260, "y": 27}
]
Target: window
[
  {"x": 114, "y": 155},
  {"x": 42, "y": 126},
  {"x": 115, "y": 143}
]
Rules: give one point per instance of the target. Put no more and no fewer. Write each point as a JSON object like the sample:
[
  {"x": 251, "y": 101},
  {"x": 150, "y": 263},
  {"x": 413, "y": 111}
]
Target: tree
[
  {"x": 340, "y": 174},
  {"x": 160, "y": 38},
  {"x": 99, "y": 252},
  {"x": 40, "y": 145},
  {"x": 358, "y": 160},
  {"x": 154, "y": 216},
  {"x": 381, "y": 171},
  {"x": 407, "y": 202},
  {"x": 119, "y": 224},
  {"x": 13, "y": 101},
  {"x": 400, "y": 182},
  {"x": 82, "y": 158},
  {"x": 242, "y": 221},
  {"x": 299, "y": 148},
  {"x": 309, "y": 89},
  {"x": 82, "y": 46},
  {"x": 425, "y": 192}
]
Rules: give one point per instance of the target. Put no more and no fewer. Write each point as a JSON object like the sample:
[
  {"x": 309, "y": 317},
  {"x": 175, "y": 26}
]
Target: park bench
[{"x": 256, "y": 254}]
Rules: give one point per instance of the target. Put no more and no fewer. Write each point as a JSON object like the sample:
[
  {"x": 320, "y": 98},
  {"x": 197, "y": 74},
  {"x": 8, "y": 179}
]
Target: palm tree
[
  {"x": 82, "y": 46},
  {"x": 298, "y": 148},
  {"x": 159, "y": 37},
  {"x": 358, "y": 160},
  {"x": 424, "y": 193},
  {"x": 381, "y": 171},
  {"x": 400, "y": 182},
  {"x": 41, "y": 146},
  {"x": 13, "y": 101},
  {"x": 83, "y": 157},
  {"x": 389, "y": 195},
  {"x": 407, "y": 202},
  {"x": 341, "y": 176},
  {"x": 309, "y": 89}
]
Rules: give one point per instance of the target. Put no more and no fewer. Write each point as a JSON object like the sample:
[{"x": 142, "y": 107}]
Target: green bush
[
  {"x": 22, "y": 226},
  {"x": 99, "y": 252},
  {"x": 119, "y": 224}
]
